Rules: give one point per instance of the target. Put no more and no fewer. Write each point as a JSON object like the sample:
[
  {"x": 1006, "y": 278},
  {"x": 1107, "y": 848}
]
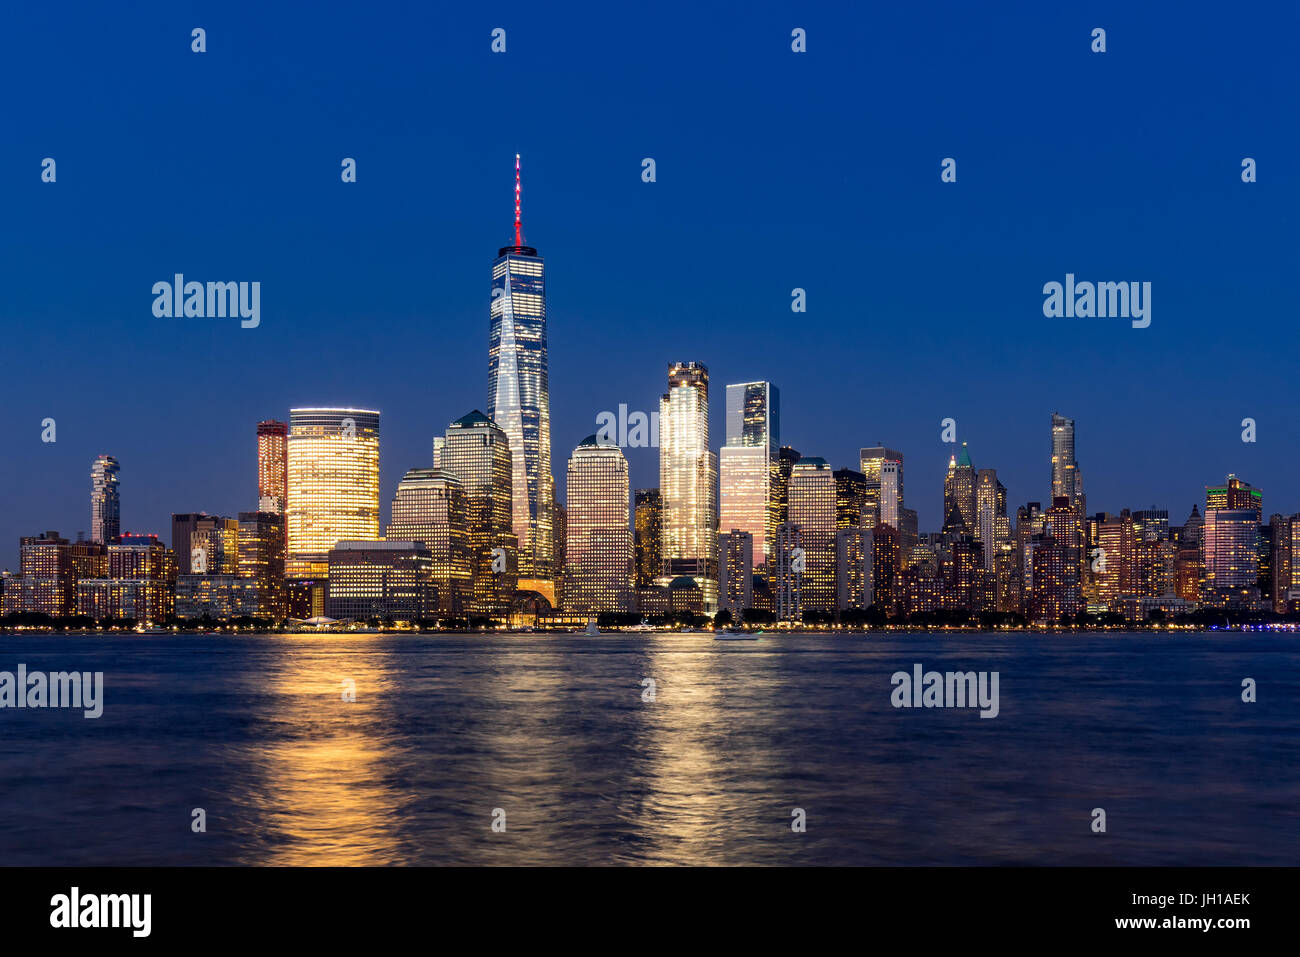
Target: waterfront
[{"x": 555, "y": 732}]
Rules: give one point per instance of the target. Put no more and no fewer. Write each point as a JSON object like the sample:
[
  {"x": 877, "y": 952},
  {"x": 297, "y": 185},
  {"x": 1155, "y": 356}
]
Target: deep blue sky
[{"x": 775, "y": 170}]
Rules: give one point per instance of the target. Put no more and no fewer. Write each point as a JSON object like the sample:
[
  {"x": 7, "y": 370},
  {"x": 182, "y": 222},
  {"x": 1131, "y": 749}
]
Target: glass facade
[
  {"x": 648, "y": 541},
  {"x": 688, "y": 480},
  {"x": 598, "y": 574},
  {"x": 386, "y": 580},
  {"x": 753, "y": 427},
  {"x": 1231, "y": 548},
  {"x": 1067, "y": 482},
  {"x": 813, "y": 512},
  {"x": 872, "y": 464},
  {"x": 519, "y": 399},
  {"x": 478, "y": 454},
  {"x": 333, "y": 484},
  {"x": 735, "y": 571},
  {"x": 429, "y": 507},
  {"x": 272, "y": 466},
  {"x": 105, "y": 502},
  {"x": 261, "y": 558}
]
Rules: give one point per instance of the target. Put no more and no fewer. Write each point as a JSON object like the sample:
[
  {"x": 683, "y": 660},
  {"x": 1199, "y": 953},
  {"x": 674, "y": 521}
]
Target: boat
[
  {"x": 734, "y": 636},
  {"x": 149, "y": 628},
  {"x": 591, "y": 627}
]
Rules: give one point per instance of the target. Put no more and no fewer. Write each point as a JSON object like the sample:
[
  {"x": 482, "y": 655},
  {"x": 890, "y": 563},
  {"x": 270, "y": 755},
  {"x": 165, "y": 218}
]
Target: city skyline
[
  {"x": 383, "y": 514},
  {"x": 369, "y": 286}
]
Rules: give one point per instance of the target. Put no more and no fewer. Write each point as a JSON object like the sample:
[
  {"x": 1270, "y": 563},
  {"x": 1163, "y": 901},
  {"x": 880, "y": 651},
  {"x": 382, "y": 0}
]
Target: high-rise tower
[
  {"x": 105, "y": 505},
  {"x": 272, "y": 466},
  {"x": 333, "y": 485},
  {"x": 688, "y": 480},
  {"x": 519, "y": 399},
  {"x": 1066, "y": 480},
  {"x": 745, "y": 462},
  {"x": 598, "y": 575}
]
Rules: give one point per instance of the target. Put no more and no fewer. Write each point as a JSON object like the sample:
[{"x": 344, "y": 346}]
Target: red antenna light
[{"x": 519, "y": 226}]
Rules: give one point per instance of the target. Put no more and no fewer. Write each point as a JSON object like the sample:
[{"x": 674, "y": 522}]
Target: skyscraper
[
  {"x": 1231, "y": 549},
  {"x": 1115, "y": 576},
  {"x": 778, "y": 506},
  {"x": 992, "y": 526},
  {"x": 429, "y": 507},
  {"x": 272, "y": 466},
  {"x": 478, "y": 454},
  {"x": 261, "y": 558},
  {"x": 519, "y": 393},
  {"x": 812, "y": 510},
  {"x": 959, "y": 489},
  {"x": 854, "y": 546},
  {"x": 1234, "y": 494},
  {"x": 745, "y": 462},
  {"x": 105, "y": 504},
  {"x": 888, "y": 492},
  {"x": 871, "y": 463},
  {"x": 333, "y": 484},
  {"x": 688, "y": 480},
  {"x": 183, "y": 526},
  {"x": 648, "y": 545},
  {"x": 735, "y": 571},
  {"x": 1067, "y": 482},
  {"x": 213, "y": 546},
  {"x": 598, "y": 574},
  {"x": 850, "y": 497}
]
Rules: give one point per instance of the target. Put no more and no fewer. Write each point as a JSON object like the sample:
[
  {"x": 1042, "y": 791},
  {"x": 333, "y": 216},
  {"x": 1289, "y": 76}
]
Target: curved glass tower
[{"x": 519, "y": 399}]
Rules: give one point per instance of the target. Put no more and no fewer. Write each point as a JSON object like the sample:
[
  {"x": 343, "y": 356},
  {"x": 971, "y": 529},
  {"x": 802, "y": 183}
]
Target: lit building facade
[
  {"x": 429, "y": 507},
  {"x": 51, "y": 568},
  {"x": 688, "y": 480},
  {"x": 105, "y": 500},
  {"x": 333, "y": 484},
  {"x": 478, "y": 454},
  {"x": 959, "y": 489},
  {"x": 139, "y": 583},
  {"x": 853, "y": 576},
  {"x": 735, "y": 571},
  {"x": 272, "y": 466},
  {"x": 598, "y": 574},
  {"x": 218, "y": 597},
  {"x": 813, "y": 510},
  {"x": 1231, "y": 549},
  {"x": 745, "y": 462},
  {"x": 261, "y": 559},
  {"x": 788, "y": 564},
  {"x": 519, "y": 394},
  {"x": 214, "y": 546},
  {"x": 1235, "y": 494},
  {"x": 850, "y": 497},
  {"x": 871, "y": 463},
  {"x": 1067, "y": 480},
  {"x": 388, "y": 580},
  {"x": 648, "y": 541},
  {"x": 778, "y": 508}
]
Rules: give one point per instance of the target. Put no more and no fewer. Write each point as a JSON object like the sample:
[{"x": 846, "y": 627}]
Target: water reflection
[
  {"x": 317, "y": 791},
  {"x": 555, "y": 731}
]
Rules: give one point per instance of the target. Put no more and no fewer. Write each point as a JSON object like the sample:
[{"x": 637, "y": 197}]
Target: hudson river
[{"x": 554, "y": 740}]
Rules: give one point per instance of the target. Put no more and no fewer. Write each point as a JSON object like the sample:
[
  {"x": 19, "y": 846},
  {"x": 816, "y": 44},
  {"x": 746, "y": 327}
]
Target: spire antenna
[{"x": 519, "y": 226}]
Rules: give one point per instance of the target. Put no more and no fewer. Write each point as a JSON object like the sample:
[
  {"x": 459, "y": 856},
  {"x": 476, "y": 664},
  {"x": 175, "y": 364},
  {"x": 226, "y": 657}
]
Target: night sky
[{"x": 775, "y": 170}]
